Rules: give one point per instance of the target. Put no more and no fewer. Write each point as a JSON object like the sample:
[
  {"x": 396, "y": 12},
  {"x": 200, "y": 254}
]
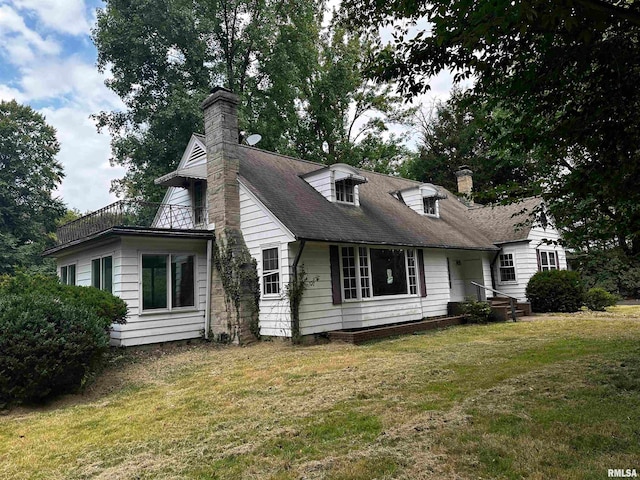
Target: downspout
[
  {"x": 207, "y": 313},
  {"x": 493, "y": 264},
  {"x": 294, "y": 267}
]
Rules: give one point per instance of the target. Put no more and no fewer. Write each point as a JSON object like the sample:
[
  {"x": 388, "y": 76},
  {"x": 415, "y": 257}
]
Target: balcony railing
[{"x": 131, "y": 213}]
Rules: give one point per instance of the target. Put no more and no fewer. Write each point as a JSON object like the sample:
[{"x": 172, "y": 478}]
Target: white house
[{"x": 378, "y": 249}]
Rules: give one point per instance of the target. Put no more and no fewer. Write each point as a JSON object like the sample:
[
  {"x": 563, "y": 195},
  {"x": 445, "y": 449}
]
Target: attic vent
[{"x": 196, "y": 153}]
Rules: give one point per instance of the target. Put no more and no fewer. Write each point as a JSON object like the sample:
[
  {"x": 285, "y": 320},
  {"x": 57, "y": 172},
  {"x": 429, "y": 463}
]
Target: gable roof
[
  {"x": 505, "y": 223},
  {"x": 380, "y": 219}
]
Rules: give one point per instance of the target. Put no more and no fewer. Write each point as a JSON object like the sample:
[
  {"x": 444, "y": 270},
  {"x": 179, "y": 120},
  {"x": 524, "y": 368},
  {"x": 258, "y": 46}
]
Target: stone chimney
[
  {"x": 465, "y": 182},
  {"x": 221, "y": 138},
  {"x": 233, "y": 273}
]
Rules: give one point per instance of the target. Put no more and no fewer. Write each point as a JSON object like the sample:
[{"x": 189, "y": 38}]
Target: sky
[{"x": 48, "y": 61}]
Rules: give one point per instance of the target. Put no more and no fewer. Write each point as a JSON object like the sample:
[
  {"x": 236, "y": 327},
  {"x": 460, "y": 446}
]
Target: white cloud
[
  {"x": 64, "y": 16},
  {"x": 84, "y": 155},
  {"x": 20, "y": 43}
]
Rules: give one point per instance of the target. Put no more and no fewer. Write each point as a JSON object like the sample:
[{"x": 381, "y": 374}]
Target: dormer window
[
  {"x": 338, "y": 183},
  {"x": 430, "y": 205},
  {"x": 345, "y": 191}
]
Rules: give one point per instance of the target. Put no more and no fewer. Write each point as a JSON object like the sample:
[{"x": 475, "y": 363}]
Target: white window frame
[
  {"x": 351, "y": 184},
  {"x": 75, "y": 273},
  {"x": 436, "y": 206},
  {"x": 101, "y": 279},
  {"x": 512, "y": 266},
  {"x": 169, "y": 307},
  {"x": 548, "y": 254},
  {"x": 361, "y": 287},
  {"x": 263, "y": 274}
]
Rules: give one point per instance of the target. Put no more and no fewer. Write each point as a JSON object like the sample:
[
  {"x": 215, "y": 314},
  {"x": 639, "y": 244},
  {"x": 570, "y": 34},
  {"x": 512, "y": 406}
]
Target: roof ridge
[{"x": 494, "y": 205}]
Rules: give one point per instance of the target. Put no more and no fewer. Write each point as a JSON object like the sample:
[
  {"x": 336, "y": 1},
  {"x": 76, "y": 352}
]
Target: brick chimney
[
  {"x": 232, "y": 312},
  {"x": 465, "y": 182}
]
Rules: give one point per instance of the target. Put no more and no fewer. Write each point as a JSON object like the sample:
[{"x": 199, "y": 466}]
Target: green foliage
[
  {"x": 555, "y": 291},
  {"x": 476, "y": 311},
  {"x": 599, "y": 299},
  {"x": 29, "y": 173},
  {"x": 301, "y": 88},
  {"x": 562, "y": 69},
  {"x": 295, "y": 289},
  {"x": 106, "y": 307},
  {"x": 612, "y": 270},
  {"x": 49, "y": 346}
]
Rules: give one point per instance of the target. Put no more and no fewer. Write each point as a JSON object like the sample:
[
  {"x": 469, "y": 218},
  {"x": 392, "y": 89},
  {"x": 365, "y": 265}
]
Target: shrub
[
  {"x": 48, "y": 346},
  {"x": 476, "y": 311},
  {"x": 555, "y": 291},
  {"x": 598, "y": 299},
  {"x": 109, "y": 308}
]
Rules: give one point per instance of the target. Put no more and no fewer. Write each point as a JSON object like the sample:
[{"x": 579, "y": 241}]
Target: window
[
  {"x": 548, "y": 261},
  {"x": 198, "y": 203},
  {"x": 345, "y": 191},
  {"x": 182, "y": 287},
  {"x": 413, "y": 277},
  {"x": 102, "y": 273},
  {"x": 430, "y": 205},
  {"x": 507, "y": 268},
  {"x": 175, "y": 290},
  {"x": 374, "y": 272},
  {"x": 270, "y": 271},
  {"x": 68, "y": 274},
  {"x": 349, "y": 273}
]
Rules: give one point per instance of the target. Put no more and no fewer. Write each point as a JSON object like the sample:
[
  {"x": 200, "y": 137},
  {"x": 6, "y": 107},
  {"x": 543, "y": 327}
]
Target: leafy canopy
[
  {"x": 29, "y": 172},
  {"x": 568, "y": 73},
  {"x": 302, "y": 88}
]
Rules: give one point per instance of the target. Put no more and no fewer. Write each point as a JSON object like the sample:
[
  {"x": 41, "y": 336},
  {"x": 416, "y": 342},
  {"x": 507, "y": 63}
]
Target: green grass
[{"x": 558, "y": 397}]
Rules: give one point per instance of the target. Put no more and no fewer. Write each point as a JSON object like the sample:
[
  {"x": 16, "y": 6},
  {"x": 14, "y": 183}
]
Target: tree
[
  {"x": 29, "y": 173},
  {"x": 568, "y": 72},
  {"x": 298, "y": 88},
  {"x": 461, "y": 131}
]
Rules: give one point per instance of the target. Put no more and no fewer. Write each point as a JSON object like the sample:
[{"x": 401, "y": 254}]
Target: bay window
[
  {"x": 168, "y": 281},
  {"x": 374, "y": 272}
]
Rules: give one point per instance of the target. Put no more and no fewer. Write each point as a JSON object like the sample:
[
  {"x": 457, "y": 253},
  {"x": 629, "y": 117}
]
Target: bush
[
  {"x": 109, "y": 308},
  {"x": 598, "y": 299},
  {"x": 48, "y": 346},
  {"x": 555, "y": 291},
  {"x": 476, "y": 311}
]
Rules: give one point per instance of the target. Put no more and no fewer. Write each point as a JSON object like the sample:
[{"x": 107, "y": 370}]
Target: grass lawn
[{"x": 558, "y": 397}]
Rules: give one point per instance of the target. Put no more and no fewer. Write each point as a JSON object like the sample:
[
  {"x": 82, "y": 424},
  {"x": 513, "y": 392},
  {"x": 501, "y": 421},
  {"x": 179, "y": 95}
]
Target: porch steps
[
  {"x": 502, "y": 308},
  {"x": 358, "y": 336}
]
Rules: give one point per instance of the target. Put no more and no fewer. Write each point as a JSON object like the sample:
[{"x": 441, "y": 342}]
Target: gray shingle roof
[
  {"x": 380, "y": 219},
  {"x": 505, "y": 223}
]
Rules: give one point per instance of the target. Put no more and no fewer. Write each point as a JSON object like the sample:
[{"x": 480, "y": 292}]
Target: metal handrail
[{"x": 512, "y": 300}]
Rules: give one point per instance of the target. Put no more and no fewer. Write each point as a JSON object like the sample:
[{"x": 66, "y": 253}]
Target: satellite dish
[{"x": 253, "y": 139}]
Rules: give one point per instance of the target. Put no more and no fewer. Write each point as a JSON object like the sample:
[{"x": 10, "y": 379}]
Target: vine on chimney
[{"x": 239, "y": 274}]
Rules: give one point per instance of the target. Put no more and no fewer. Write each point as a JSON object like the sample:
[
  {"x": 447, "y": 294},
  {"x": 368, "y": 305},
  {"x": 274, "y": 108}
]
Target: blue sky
[{"x": 47, "y": 61}]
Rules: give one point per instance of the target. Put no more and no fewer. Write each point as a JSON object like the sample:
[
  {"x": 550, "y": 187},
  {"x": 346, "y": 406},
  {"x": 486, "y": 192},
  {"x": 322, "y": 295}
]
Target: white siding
[
  {"x": 82, "y": 260},
  {"x": 143, "y": 328},
  {"x": 413, "y": 199},
  {"x": 318, "y": 314},
  {"x": 262, "y": 230},
  {"x": 322, "y": 181},
  {"x": 526, "y": 260}
]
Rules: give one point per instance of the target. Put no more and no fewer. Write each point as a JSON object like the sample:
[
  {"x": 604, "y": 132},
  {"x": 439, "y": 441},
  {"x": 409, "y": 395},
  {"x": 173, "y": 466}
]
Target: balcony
[{"x": 131, "y": 213}]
